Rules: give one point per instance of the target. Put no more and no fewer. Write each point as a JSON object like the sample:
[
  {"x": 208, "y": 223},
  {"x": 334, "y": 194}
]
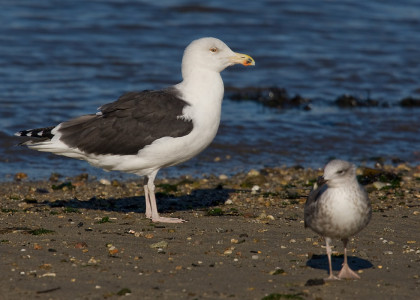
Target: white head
[
  {"x": 211, "y": 54},
  {"x": 338, "y": 172}
]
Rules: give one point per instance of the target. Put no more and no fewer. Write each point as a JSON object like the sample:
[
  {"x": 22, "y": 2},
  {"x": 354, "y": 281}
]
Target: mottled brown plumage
[{"x": 338, "y": 208}]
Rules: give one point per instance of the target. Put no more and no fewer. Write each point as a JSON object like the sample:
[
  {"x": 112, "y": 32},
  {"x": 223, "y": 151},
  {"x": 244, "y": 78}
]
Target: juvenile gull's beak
[
  {"x": 321, "y": 180},
  {"x": 243, "y": 59}
]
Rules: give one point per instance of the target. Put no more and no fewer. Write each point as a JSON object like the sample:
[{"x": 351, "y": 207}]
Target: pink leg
[
  {"x": 147, "y": 198},
  {"x": 346, "y": 272},
  {"x": 151, "y": 206},
  {"x": 329, "y": 252}
]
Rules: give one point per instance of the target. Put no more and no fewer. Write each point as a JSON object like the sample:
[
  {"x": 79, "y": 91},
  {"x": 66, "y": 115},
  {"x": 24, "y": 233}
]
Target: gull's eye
[
  {"x": 214, "y": 49},
  {"x": 340, "y": 172}
]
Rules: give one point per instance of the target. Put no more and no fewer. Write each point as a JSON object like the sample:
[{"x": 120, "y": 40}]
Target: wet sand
[{"x": 79, "y": 238}]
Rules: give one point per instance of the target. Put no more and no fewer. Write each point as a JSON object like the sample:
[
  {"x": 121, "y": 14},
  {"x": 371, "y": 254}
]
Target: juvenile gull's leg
[
  {"x": 346, "y": 272},
  {"x": 331, "y": 277}
]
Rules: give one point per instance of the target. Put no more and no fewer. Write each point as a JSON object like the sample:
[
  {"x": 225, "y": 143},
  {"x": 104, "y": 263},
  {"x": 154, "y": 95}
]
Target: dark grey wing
[
  {"x": 125, "y": 101},
  {"x": 310, "y": 206},
  {"x": 129, "y": 124}
]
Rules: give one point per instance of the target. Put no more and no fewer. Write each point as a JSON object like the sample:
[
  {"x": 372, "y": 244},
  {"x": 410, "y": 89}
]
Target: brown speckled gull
[{"x": 338, "y": 207}]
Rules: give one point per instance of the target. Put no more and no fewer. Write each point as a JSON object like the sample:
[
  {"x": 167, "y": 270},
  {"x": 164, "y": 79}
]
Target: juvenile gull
[
  {"x": 143, "y": 132},
  {"x": 338, "y": 207}
]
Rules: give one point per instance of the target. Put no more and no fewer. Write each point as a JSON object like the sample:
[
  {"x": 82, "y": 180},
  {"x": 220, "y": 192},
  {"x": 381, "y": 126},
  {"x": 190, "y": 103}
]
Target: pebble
[
  {"x": 92, "y": 261},
  {"x": 104, "y": 181},
  {"x": 228, "y": 202},
  {"x": 255, "y": 189},
  {"x": 227, "y": 252},
  {"x": 80, "y": 245},
  {"x": 161, "y": 244},
  {"x": 20, "y": 176},
  {"x": 45, "y": 266},
  {"x": 254, "y": 257},
  {"x": 388, "y": 252},
  {"x": 253, "y": 173},
  {"x": 363, "y": 254},
  {"x": 277, "y": 271},
  {"x": 379, "y": 185},
  {"x": 223, "y": 177},
  {"x": 112, "y": 250}
]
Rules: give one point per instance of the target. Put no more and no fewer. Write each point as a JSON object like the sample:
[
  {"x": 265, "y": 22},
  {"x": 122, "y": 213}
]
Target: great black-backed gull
[
  {"x": 143, "y": 132},
  {"x": 338, "y": 207}
]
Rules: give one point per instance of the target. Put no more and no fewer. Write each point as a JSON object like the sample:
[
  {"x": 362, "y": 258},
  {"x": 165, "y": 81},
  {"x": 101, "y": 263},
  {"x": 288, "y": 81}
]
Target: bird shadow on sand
[
  {"x": 200, "y": 199},
  {"x": 321, "y": 262}
]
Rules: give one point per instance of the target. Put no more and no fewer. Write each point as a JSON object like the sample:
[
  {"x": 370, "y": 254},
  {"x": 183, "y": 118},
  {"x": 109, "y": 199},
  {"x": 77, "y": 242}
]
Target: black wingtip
[
  {"x": 21, "y": 133},
  {"x": 37, "y": 133}
]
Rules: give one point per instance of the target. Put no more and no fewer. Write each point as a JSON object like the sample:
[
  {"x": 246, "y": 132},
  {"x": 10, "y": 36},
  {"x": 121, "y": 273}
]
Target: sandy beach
[{"x": 81, "y": 238}]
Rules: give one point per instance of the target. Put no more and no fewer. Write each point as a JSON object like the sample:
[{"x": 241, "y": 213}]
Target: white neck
[
  {"x": 203, "y": 89},
  {"x": 203, "y": 86}
]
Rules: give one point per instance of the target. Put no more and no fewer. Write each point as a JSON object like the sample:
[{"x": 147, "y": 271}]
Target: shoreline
[{"x": 244, "y": 239}]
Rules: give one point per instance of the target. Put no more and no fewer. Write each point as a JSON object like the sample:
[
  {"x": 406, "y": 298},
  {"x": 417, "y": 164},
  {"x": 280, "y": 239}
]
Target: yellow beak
[{"x": 243, "y": 59}]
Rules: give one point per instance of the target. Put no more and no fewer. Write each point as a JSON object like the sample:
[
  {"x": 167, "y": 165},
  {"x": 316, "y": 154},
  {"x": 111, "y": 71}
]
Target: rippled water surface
[{"x": 62, "y": 59}]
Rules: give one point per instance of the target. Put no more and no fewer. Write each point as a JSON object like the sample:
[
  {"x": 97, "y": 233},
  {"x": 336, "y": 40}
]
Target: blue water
[{"x": 61, "y": 59}]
